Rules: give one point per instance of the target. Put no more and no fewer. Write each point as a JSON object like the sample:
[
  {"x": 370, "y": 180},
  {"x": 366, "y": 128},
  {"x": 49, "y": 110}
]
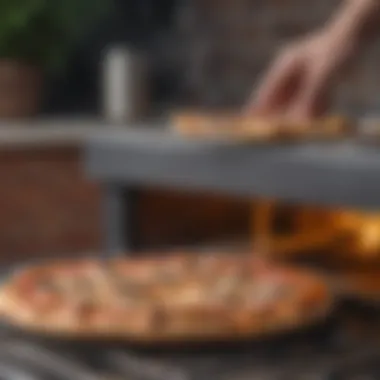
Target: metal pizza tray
[
  {"x": 161, "y": 342},
  {"x": 325, "y": 317}
]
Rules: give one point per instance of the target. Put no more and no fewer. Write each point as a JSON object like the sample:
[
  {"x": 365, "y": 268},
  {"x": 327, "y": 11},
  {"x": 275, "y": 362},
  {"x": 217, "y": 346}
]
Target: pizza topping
[
  {"x": 82, "y": 285},
  {"x": 266, "y": 292},
  {"x": 46, "y": 285},
  {"x": 190, "y": 295},
  {"x": 226, "y": 290},
  {"x": 168, "y": 274},
  {"x": 44, "y": 302},
  {"x": 86, "y": 310},
  {"x": 159, "y": 317},
  {"x": 131, "y": 293}
]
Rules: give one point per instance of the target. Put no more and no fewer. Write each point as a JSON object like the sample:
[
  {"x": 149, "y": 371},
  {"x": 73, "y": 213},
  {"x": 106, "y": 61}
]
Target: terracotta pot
[{"x": 20, "y": 89}]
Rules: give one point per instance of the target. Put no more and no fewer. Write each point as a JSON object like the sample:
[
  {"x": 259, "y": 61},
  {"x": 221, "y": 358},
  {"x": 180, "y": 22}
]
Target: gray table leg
[{"x": 119, "y": 219}]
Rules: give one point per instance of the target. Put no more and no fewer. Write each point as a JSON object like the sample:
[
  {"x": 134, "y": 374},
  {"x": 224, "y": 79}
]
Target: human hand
[{"x": 300, "y": 82}]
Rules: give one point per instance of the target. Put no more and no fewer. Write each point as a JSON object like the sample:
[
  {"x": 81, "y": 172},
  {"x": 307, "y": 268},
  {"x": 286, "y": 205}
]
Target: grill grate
[{"x": 344, "y": 348}]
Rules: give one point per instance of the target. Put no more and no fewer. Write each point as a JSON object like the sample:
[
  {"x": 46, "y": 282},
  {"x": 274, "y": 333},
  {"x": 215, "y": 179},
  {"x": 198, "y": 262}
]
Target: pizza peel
[{"x": 320, "y": 318}]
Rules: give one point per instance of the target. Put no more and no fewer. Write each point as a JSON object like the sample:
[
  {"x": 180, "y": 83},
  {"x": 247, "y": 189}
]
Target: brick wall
[
  {"x": 48, "y": 208},
  {"x": 170, "y": 217},
  {"x": 228, "y": 43}
]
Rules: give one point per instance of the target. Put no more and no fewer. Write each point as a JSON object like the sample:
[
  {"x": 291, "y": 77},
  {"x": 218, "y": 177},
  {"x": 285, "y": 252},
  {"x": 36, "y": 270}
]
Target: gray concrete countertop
[
  {"x": 76, "y": 130},
  {"x": 341, "y": 173},
  {"x": 47, "y": 132},
  {"x": 61, "y": 131},
  {"x": 338, "y": 173}
]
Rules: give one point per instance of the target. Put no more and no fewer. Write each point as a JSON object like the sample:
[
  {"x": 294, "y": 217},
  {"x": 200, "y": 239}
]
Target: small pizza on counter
[
  {"x": 253, "y": 128},
  {"x": 186, "y": 296}
]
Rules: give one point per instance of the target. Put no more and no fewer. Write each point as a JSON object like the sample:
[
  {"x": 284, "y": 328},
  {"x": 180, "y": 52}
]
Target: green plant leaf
[{"x": 44, "y": 31}]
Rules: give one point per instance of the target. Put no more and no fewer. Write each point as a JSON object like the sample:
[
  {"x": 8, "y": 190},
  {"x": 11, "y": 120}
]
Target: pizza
[
  {"x": 253, "y": 128},
  {"x": 176, "y": 297}
]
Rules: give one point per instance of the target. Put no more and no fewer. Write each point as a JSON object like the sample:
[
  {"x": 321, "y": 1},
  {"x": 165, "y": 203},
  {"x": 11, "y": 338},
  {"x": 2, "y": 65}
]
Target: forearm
[{"x": 358, "y": 20}]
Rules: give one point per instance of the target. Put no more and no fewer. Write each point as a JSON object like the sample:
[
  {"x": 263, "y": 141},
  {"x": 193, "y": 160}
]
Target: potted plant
[{"x": 36, "y": 36}]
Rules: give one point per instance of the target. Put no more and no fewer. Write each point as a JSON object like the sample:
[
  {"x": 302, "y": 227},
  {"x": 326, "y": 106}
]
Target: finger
[
  {"x": 312, "y": 99},
  {"x": 278, "y": 87}
]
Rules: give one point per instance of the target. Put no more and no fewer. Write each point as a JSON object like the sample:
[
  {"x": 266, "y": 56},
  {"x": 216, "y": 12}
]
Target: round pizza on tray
[{"x": 169, "y": 298}]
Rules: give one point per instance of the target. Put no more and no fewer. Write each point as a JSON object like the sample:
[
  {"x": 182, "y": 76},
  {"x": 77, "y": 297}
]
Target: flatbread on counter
[{"x": 248, "y": 128}]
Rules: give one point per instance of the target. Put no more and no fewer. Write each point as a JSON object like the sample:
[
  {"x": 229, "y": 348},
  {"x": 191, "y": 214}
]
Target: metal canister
[{"x": 125, "y": 94}]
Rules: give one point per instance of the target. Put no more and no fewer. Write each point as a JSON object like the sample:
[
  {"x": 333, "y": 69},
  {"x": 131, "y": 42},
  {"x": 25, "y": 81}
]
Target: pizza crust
[{"x": 170, "y": 317}]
